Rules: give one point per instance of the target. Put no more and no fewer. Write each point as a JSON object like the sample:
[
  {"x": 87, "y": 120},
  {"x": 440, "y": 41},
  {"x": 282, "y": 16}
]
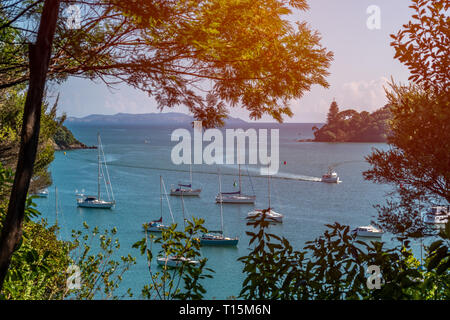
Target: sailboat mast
[
  {"x": 239, "y": 166},
  {"x": 182, "y": 208},
  {"x": 56, "y": 211},
  {"x": 98, "y": 165},
  {"x": 160, "y": 194},
  {"x": 268, "y": 178},
  {"x": 221, "y": 210},
  {"x": 240, "y": 188}
]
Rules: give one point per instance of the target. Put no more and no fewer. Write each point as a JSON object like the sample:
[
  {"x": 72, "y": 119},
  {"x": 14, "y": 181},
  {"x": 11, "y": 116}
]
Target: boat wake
[
  {"x": 255, "y": 173},
  {"x": 252, "y": 171},
  {"x": 290, "y": 176}
]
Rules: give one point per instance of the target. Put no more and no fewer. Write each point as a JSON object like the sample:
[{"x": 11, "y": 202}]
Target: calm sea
[{"x": 137, "y": 156}]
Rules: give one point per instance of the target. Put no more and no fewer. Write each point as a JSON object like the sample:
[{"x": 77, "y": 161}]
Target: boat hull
[
  {"x": 41, "y": 195},
  {"x": 186, "y": 192},
  {"x": 219, "y": 242},
  {"x": 157, "y": 228},
  {"x": 274, "y": 216},
  {"x": 96, "y": 204},
  {"x": 230, "y": 243},
  {"x": 436, "y": 219},
  {"x": 174, "y": 263},
  {"x": 365, "y": 234},
  {"x": 331, "y": 180},
  {"x": 236, "y": 199}
]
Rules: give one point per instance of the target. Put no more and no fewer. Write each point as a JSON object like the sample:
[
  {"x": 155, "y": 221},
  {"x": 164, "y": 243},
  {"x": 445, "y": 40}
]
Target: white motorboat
[
  {"x": 237, "y": 196},
  {"x": 175, "y": 262},
  {"x": 96, "y": 202},
  {"x": 186, "y": 189},
  {"x": 330, "y": 177},
  {"x": 437, "y": 215},
  {"x": 368, "y": 231}
]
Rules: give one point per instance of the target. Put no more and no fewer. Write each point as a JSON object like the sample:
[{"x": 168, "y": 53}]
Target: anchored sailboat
[
  {"x": 178, "y": 260},
  {"x": 269, "y": 212},
  {"x": 157, "y": 225},
  {"x": 186, "y": 189},
  {"x": 96, "y": 201},
  {"x": 41, "y": 193},
  {"x": 175, "y": 262},
  {"x": 236, "y": 197},
  {"x": 217, "y": 238}
]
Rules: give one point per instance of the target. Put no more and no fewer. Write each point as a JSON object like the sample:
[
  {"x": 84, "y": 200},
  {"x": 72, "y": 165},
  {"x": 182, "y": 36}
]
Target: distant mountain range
[{"x": 167, "y": 118}]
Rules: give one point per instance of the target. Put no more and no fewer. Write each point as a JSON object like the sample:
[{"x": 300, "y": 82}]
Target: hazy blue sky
[{"x": 363, "y": 63}]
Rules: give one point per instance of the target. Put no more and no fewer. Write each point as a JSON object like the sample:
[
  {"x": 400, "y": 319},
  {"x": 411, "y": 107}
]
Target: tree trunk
[{"x": 39, "y": 57}]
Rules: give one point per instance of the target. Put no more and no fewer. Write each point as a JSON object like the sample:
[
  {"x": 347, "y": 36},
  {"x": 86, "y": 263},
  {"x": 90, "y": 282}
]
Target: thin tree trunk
[{"x": 39, "y": 57}]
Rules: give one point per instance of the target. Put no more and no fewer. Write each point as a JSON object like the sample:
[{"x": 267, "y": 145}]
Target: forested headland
[{"x": 352, "y": 126}]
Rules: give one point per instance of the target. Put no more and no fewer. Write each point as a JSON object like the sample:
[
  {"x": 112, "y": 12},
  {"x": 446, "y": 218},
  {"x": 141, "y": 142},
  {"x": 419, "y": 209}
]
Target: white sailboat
[
  {"x": 236, "y": 197},
  {"x": 269, "y": 213},
  {"x": 157, "y": 225},
  {"x": 41, "y": 193},
  {"x": 217, "y": 238},
  {"x": 96, "y": 201},
  {"x": 186, "y": 189},
  {"x": 173, "y": 261}
]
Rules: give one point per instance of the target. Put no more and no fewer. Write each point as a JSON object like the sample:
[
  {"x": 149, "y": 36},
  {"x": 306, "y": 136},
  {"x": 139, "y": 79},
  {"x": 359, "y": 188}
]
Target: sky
[{"x": 363, "y": 64}]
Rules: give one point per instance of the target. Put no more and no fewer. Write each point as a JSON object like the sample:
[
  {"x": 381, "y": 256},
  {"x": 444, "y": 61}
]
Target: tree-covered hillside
[
  {"x": 53, "y": 135},
  {"x": 64, "y": 140},
  {"x": 352, "y": 126}
]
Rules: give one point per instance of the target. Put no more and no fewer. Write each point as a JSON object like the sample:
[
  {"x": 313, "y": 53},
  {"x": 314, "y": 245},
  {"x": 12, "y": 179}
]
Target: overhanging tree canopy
[{"x": 245, "y": 53}]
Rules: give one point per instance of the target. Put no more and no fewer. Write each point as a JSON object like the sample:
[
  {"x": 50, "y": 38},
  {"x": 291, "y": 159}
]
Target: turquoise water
[{"x": 135, "y": 167}]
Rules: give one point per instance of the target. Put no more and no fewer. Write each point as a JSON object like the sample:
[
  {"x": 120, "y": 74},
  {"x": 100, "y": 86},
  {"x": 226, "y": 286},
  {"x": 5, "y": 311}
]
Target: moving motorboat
[{"x": 330, "y": 177}]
